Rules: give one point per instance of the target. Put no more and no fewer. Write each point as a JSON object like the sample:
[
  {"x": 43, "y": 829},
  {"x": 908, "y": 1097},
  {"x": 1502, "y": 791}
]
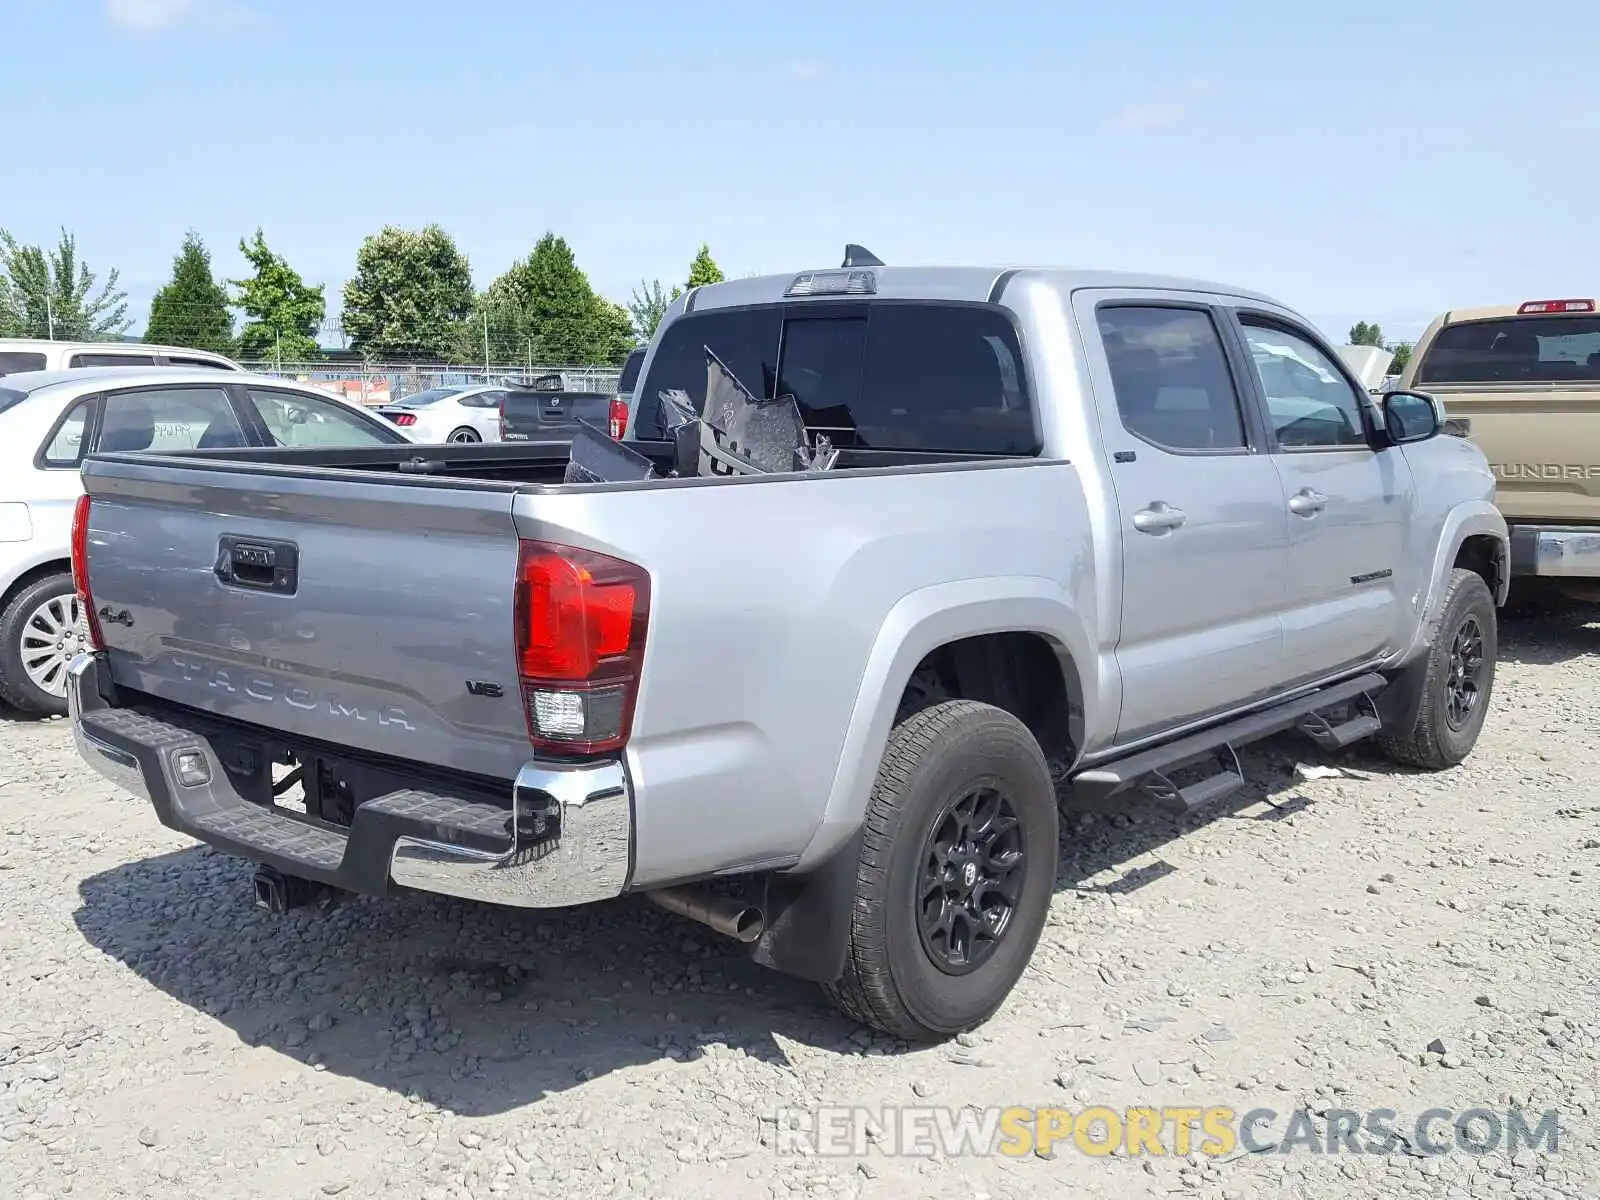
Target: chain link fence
[{"x": 384, "y": 383}]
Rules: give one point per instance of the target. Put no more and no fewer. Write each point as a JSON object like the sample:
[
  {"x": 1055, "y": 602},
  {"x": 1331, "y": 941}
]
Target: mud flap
[{"x": 808, "y": 918}]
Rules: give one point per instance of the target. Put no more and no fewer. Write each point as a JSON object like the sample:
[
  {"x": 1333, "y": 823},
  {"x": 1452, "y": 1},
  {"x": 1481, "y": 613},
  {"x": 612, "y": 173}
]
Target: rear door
[
  {"x": 1348, "y": 500},
  {"x": 1203, "y": 529}
]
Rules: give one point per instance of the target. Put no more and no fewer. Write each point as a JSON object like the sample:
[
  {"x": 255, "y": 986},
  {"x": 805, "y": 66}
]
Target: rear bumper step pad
[{"x": 564, "y": 837}]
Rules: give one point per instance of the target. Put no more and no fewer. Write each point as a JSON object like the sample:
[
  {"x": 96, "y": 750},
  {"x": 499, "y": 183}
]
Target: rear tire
[
  {"x": 39, "y": 635},
  {"x": 464, "y": 435},
  {"x": 1454, "y": 681},
  {"x": 924, "y": 865}
]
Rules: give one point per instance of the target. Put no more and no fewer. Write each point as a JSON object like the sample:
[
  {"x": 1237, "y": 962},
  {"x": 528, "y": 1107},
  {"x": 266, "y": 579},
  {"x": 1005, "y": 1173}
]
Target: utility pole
[
  {"x": 50, "y": 316},
  {"x": 486, "y": 345}
]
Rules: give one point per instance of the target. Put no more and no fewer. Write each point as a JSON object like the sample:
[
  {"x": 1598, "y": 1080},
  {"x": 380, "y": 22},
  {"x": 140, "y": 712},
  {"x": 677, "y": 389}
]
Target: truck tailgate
[
  {"x": 1543, "y": 444},
  {"x": 357, "y": 611}
]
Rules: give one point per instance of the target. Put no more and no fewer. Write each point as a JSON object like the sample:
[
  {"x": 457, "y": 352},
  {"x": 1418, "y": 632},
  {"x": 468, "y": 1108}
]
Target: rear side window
[
  {"x": 12, "y": 361},
  {"x": 112, "y": 360},
  {"x": 174, "y": 361},
  {"x": 293, "y": 419},
  {"x": 1515, "y": 350},
  {"x": 883, "y": 376},
  {"x": 66, "y": 445},
  {"x": 1171, "y": 378},
  {"x": 10, "y": 397}
]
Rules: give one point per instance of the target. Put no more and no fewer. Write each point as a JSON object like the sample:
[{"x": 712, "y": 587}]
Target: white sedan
[
  {"x": 448, "y": 414},
  {"x": 49, "y": 420}
]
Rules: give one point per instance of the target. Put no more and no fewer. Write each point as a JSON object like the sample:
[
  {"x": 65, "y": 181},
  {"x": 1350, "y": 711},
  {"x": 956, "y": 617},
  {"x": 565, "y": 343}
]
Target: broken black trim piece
[{"x": 1371, "y": 577}]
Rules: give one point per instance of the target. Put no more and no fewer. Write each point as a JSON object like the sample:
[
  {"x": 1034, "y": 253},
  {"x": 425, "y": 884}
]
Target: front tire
[
  {"x": 957, "y": 866},
  {"x": 1453, "y": 681},
  {"x": 41, "y": 631}
]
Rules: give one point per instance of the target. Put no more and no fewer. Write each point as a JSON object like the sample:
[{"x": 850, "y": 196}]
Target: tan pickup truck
[{"x": 1525, "y": 378}]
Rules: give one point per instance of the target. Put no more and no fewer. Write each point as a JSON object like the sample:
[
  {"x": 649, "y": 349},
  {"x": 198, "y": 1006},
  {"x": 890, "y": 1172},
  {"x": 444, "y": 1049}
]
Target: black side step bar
[{"x": 1150, "y": 766}]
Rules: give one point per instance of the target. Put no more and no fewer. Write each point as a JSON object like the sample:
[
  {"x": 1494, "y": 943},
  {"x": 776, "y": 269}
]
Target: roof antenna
[{"x": 860, "y": 256}]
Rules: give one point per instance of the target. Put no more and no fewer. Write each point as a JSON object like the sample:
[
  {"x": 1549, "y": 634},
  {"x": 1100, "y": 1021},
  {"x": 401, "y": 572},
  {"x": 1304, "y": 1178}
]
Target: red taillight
[
  {"x": 619, "y": 417},
  {"x": 581, "y": 619},
  {"x": 80, "y": 571},
  {"x": 403, "y": 419},
  {"x": 1556, "y": 306}
]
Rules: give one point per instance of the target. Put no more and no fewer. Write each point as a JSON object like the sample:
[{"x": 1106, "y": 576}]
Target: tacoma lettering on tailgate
[{"x": 237, "y": 682}]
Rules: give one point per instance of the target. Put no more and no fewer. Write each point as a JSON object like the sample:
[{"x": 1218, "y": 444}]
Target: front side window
[
  {"x": 1171, "y": 379},
  {"x": 1310, "y": 403},
  {"x": 168, "y": 419},
  {"x": 293, "y": 419}
]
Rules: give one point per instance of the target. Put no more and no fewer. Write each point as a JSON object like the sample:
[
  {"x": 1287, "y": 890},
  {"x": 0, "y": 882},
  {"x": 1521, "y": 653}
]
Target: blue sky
[{"x": 1357, "y": 160}]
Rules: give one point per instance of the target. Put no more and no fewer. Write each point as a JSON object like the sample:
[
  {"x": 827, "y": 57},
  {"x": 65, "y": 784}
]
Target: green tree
[
  {"x": 409, "y": 295},
  {"x": 192, "y": 310},
  {"x": 51, "y": 294},
  {"x": 284, "y": 313},
  {"x": 704, "y": 270},
  {"x": 1363, "y": 334},
  {"x": 1402, "y": 356},
  {"x": 613, "y": 334},
  {"x": 543, "y": 310},
  {"x": 649, "y": 305}
]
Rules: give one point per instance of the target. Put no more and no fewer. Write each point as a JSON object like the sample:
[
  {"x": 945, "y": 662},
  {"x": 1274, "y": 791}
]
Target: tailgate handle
[{"x": 260, "y": 564}]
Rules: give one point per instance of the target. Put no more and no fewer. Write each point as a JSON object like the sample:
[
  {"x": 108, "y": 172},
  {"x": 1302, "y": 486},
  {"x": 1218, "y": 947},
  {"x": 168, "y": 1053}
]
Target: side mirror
[{"x": 1410, "y": 417}]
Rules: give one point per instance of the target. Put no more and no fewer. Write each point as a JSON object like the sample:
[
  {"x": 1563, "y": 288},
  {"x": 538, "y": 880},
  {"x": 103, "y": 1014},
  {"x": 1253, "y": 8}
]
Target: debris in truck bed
[
  {"x": 597, "y": 458},
  {"x": 739, "y": 435}
]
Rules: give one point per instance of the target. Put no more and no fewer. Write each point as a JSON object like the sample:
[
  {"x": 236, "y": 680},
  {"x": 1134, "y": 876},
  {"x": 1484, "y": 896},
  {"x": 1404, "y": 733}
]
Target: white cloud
[
  {"x": 1161, "y": 112},
  {"x": 807, "y": 71},
  {"x": 152, "y": 16}
]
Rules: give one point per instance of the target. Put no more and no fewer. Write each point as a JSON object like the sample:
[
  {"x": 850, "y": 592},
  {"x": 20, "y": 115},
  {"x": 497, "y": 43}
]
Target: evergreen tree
[
  {"x": 192, "y": 310},
  {"x": 704, "y": 270}
]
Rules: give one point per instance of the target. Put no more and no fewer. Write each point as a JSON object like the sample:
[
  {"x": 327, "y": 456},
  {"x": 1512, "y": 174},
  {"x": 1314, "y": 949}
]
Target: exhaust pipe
[{"x": 729, "y": 917}]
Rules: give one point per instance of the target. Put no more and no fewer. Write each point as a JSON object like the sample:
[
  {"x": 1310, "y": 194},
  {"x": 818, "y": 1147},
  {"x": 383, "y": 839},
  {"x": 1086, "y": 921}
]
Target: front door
[
  {"x": 1348, "y": 499},
  {"x": 1204, "y": 533}
]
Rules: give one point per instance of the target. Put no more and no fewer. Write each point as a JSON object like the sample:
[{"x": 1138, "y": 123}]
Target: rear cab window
[
  {"x": 1512, "y": 350},
  {"x": 879, "y": 375}
]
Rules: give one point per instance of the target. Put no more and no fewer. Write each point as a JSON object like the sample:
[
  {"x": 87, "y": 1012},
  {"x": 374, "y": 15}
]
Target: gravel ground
[{"x": 1301, "y": 949}]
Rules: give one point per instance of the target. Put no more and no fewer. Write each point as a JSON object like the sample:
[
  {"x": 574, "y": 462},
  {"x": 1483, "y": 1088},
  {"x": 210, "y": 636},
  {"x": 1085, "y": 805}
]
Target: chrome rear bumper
[
  {"x": 1555, "y": 551},
  {"x": 564, "y": 838}
]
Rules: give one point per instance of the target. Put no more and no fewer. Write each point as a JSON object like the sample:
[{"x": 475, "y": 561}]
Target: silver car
[{"x": 50, "y": 419}]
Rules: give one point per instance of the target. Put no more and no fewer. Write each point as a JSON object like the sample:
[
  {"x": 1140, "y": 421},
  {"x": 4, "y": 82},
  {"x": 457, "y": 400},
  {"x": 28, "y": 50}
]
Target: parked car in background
[
  {"x": 1524, "y": 380},
  {"x": 50, "y": 420},
  {"x": 529, "y": 415},
  {"x": 40, "y": 354},
  {"x": 448, "y": 414},
  {"x": 1088, "y": 527}
]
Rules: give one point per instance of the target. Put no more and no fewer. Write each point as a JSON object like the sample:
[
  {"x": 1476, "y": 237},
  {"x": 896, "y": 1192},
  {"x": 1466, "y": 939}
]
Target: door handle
[
  {"x": 1160, "y": 517},
  {"x": 1307, "y": 502}
]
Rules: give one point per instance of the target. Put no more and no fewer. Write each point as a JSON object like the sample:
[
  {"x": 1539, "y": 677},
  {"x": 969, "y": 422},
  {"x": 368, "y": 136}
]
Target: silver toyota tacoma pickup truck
[{"x": 1085, "y": 535}]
